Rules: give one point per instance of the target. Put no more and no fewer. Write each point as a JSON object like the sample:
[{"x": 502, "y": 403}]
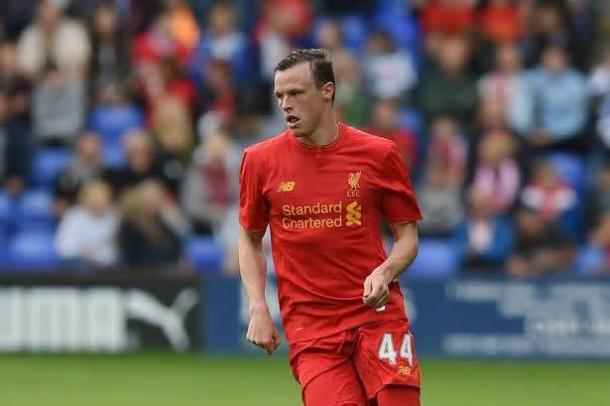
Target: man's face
[{"x": 302, "y": 103}]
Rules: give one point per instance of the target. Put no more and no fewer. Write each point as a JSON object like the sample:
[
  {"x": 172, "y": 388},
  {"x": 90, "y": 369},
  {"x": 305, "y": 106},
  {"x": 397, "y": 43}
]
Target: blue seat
[
  {"x": 404, "y": 31},
  {"x": 48, "y": 163},
  {"x": 5, "y": 208},
  {"x": 113, "y": 156},
  {"x": 355, "y": 31},
  {"x": 111, "y": 123},
  {"x": 571, "y": 168},
  {"x": 33, "y": 207},
  {"x": 205, "y": 254},
  {"x": 31, "y": 250},
  {"x": 590, "y": 260},
  {"x": 436, "y": 259}
]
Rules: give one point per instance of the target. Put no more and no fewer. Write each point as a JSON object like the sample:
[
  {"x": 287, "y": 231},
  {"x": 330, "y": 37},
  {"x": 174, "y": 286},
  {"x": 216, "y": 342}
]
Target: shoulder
[
  {"x": 374, "y": 144},
  {"x": 268, "y": 147}
]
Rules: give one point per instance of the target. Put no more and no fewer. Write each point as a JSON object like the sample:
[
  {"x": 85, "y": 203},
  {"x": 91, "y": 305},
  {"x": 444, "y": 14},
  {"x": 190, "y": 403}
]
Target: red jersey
[{"x": 324, "y": 206}]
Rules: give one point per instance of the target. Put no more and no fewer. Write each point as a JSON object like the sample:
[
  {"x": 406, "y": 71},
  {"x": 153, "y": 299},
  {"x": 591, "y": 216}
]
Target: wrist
[
  {"x": 258, "y": 308},
  {"x": 386, "y": 272}
]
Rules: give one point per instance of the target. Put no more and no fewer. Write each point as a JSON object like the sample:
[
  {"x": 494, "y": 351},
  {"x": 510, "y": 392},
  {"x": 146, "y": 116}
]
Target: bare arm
[
  {"x": 261, "y": 330},
  {"x": 406, "y": 243}
]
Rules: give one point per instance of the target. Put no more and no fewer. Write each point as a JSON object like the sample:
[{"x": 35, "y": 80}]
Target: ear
[{"x": 328, "y": 90}]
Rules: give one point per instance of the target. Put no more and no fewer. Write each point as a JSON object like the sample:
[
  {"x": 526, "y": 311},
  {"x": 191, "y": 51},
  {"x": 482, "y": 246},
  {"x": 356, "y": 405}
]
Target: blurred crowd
[{"x": 122, "y": 125}]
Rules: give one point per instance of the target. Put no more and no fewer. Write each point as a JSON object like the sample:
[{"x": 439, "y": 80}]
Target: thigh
[
  {"x": 397, "y": 396},
  {"x": 385, "y": 357},
  {"x": 339, "y": 386}
]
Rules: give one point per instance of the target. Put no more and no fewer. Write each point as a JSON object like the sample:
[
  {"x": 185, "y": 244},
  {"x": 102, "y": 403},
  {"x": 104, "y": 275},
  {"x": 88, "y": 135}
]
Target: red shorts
[{"x": 360, "y": 362}]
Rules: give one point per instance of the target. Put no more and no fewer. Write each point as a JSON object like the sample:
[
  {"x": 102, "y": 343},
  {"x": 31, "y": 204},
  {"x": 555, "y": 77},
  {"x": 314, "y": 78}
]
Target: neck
[{"x": 326, "y": 133}]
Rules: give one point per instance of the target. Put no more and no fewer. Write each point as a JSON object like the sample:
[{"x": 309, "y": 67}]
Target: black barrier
[{"x": 103, "y": 312}]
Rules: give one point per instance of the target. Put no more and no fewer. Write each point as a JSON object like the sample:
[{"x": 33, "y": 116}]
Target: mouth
[{"x": 292, "y": 121}]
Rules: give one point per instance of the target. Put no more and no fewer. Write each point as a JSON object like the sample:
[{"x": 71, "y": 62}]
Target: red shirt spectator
[
  {"x": 448, "y": 16},
  {"x": 500, "y": 21}
]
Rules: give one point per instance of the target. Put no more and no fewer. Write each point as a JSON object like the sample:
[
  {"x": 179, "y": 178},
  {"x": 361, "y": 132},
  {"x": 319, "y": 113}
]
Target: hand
[
  {"x": 376, "y": 288},
  {"x": 262, "y": 331}
]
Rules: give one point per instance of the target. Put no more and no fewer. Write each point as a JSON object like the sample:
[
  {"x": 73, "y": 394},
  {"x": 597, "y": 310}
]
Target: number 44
[{"x": 387, "y": 352}]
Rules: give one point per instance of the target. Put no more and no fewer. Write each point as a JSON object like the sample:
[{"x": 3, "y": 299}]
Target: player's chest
[{"x": 325, "y": 181}]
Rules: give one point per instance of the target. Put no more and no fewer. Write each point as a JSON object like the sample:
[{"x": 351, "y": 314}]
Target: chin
[{"x": 298, "y": 132}]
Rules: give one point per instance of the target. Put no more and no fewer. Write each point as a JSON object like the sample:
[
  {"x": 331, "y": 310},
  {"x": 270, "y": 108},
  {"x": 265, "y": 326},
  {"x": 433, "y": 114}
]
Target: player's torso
[{"x": 318, "y": 196}]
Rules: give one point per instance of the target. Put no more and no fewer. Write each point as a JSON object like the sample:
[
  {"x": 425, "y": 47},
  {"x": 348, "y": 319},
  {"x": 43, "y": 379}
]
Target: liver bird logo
[{"x": 353, "y": 179}]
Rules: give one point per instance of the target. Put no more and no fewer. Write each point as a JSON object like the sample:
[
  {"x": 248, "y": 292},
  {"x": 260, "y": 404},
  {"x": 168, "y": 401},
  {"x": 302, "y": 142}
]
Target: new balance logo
[
  {"x": 286, "y": 186},
  {"x": 354, "y": 214}
]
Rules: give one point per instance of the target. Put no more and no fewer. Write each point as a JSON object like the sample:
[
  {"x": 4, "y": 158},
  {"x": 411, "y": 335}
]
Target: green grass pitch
[{"x": 177, "y": 380}]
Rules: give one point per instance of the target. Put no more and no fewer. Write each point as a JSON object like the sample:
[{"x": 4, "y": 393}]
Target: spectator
[
  {"x": 599, "y": 87},
  {"x": 440, "y": 201},
  {"x": 485, "y": 237},
  {"x": 208, "y": 191},
  {"x": 389, "y": 71},
  {"x": 497, "y": 173},
  {"x": 110, "y": 57},
  {"x": 282, "y": 22},
  {"x": 351, "y": 98},
  {"x": 85, "y": 166},
  {"x": 582, "y": 21},
  {"x": 58, "y": 108},
  {"x": 500, "y": 22},
  {"x": 218, "y": 95},
  {"x": 559, "y": 97},
  {"x": 147, "y": 242},
  {"x": 86, "y": 233},
  {"x": 222, "y": 41},
  {"x": 141, "y": 163},
  {"x": 448, "y": 16},
  {"x": 385, "y": 124},
  {"x": 15, "y": 149},
  {"x": 173, "y": 132},
  {"x": 449, "y": 88},
  {"x": 547, "y": 193},
  {"x": 540, "y": 248},
  {"x": 329, "y": 35},
  {"x": 507, "y": 87},
  {"x": 548, "y": 28},
  {"x": 157, "y": 43},
  {"x": 595, "y": 255},
  {"x": 53, "y": 39},
  {"x": 183, "y": 25},
  {"x": 14, "y": 83},
  {"x": 598, "y": 199},
  {"x": 449, "y": 149}
]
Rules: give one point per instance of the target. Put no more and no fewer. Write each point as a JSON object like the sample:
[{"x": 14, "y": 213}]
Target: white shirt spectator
[
  {"x": 84, "y": 235},
  {"x": 69, "y": 49},
  {"x": 390, "y": 74}
]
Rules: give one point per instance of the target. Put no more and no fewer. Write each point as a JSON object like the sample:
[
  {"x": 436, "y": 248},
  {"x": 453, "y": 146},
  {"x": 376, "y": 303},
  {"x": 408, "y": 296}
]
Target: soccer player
[{"x": 324, "y": 188}]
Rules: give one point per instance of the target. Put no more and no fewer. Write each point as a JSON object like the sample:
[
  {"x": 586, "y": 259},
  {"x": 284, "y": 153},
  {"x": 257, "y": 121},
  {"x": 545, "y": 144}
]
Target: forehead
[{"x": 299, "y": 75}]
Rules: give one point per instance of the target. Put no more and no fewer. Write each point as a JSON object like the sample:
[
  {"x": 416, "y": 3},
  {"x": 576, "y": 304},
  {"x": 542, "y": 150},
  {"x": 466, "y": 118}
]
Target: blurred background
[{"x": 122, "y": 125}]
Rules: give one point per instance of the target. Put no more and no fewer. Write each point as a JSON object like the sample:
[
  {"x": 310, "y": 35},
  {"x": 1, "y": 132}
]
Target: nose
[{"x": 285, "y": 104}]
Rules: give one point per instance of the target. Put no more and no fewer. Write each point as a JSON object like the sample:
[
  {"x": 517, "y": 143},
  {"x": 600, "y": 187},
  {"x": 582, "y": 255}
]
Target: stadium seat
[
  {"x": 590, "y": 260},
  {"x": 5, "y": 209},
  {"x": 48, "y": 163},
  {"x": 403, "y": 30},
  {"x": 112, "y": 122},
  {"x": 113, "y": 156},
  {"x": 436, "y": 259},
  {"x": 355, "y": 32},
  {"x": 205, "y": 254},
  {"x": 31, "y": 250},
  {"x": 33, "y": 208},
  {"x": 571, "y": 168}
]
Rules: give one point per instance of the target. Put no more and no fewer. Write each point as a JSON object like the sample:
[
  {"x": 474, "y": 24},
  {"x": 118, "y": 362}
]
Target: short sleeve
[
  {"x": 399, "y": 204},
  {"x": 253, "y": 208}
]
